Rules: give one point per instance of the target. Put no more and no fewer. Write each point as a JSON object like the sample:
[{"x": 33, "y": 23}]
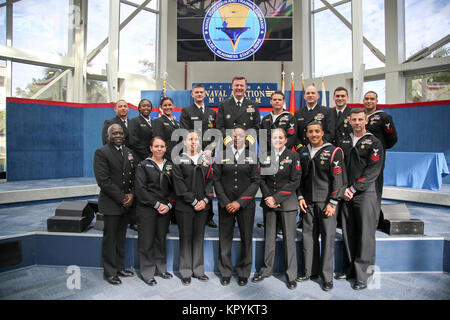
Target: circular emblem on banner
[{"x": 234, "y": 29}]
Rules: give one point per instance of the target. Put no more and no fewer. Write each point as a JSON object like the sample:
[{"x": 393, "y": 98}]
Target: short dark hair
[
  {"x": 239, "y": 126},
  {"x": 157, "y": 138},
  {"x": 376, "y": 95},
  {"x": 278, "y": 92},
  {"x": 315, "y": 123},
  {"x": 142, "y": 100},
  {"x": 357, "y": 110},
  {"x": 164, "y": 99},
  {"x": 340, "y": 89}
]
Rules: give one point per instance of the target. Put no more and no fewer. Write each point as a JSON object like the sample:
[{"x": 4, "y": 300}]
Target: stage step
[{"x": 402, "y": 254}]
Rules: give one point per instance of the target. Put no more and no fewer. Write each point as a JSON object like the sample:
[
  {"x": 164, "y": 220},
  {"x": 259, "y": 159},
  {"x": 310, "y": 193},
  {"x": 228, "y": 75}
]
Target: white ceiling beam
[
  {"x": 371, "y": 47},
  {"x": 36, "y": 57},
  {"x": 103, "y": 44},
  {"x": 50, "y": 84}
]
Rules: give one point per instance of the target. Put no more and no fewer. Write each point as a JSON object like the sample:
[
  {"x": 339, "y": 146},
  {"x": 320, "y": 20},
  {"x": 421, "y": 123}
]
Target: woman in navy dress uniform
[
  {"x": 236, "y": 181},
  {"x": 154, "y": 201},
  {"x": 193, "y": 183},
  {"x": 279, "y": 183}
]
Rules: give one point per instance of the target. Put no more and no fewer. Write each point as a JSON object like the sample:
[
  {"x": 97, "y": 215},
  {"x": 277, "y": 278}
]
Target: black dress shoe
[
  {"x": 151, "y": 282},
  {"x": 257, "y": 278},
  {"x": 359, "y": 285},
  {"x": 203, "y": 277},
  {"x": 125, "y": 273},
  {"x": 114, "y": 280},
  {"x": 343, "y": 276},
  {"x": 302, "y": 278},
  {"x": 327, "y": 286},
  {"x": 260, "y": 224},
  {"x": 242, "y": 281},
  {"x": 292, "y": 284},
  {"x": 225, "y": 281},
  {"x": 211, "y": 224},
  {"x": 186, "y": 281},
  {"x": 165, "y": 275},
  {"x": 340, "y": 276}
]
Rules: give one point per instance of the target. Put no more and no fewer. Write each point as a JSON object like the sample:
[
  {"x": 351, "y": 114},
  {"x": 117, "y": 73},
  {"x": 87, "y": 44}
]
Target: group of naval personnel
[{"x": 324, "y": 165}]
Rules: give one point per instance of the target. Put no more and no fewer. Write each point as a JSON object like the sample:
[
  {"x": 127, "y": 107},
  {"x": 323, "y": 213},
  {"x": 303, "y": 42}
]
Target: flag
[
  {"x": 292, "y": 99},
  {"x": 163, "y": 95},
  {"x": 324, "y": 94}
]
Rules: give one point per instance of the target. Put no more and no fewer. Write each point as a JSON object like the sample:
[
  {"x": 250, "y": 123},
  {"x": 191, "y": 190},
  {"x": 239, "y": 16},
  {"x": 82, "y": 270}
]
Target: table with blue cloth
[{"x": 418, "y": 170}]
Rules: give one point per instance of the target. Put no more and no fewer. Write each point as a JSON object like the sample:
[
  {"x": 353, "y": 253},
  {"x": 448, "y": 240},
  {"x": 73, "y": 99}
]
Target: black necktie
[
  {"x": 339, "y": 115},
  {"x": 239, "y": 104},
  {"x": 201, "y": 110},
  {"x": 125, "y": 123}
]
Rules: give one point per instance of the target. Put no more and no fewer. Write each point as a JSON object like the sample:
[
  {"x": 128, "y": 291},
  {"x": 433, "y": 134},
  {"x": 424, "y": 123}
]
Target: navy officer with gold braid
[{"x": 238, "y": 110}]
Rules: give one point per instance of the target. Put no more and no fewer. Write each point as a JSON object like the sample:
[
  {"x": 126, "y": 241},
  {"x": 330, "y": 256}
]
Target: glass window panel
[
  {"x": 378, "y": 86},
  {"x": 3, "y": 25},
  {"x": 154, "y": 4},
  {"x": 28, "y": 79},
  {"x": 97, "y": 31},
  {"x": 31, "y": 31},
  {"x": 317, "y": 4},
  {"x": 137, "y": 48},
  {"x": 332, "y": 42},
  {"x": 96, "y": 91},
  {"x": 428, "y": 87},
  {"x": 425, "y": 23},
  {"x": 373, "y": 30}
]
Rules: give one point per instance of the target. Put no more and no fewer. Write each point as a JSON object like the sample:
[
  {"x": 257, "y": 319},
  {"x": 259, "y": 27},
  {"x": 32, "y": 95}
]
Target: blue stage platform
[{"x": 25, "y": 221}]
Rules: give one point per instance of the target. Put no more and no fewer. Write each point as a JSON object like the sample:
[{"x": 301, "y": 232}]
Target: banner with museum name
[{"x": 257, "y": 92}]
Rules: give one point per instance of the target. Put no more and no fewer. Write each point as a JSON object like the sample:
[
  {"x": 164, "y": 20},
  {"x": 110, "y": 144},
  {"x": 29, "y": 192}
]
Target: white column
[
  {"x": 162, "y": 35},
  {"x": 394, "y": 15},
  {"x": 77, "y": 49},
  {"x": 357, "y": 51},
  {"x": 113, "y": 50},
  {"x": 307, "y": 46}
]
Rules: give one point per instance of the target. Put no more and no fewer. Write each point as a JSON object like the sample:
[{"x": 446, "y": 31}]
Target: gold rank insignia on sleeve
[
  {"x": 227, "y": 140},
  {"x": 250, "y": 139}
]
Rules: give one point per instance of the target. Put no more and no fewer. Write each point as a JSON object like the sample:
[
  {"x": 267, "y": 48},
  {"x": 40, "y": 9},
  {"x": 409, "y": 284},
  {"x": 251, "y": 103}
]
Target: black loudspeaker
[
  {"x": 404, "y": 227},
  {"x": 71, "y": 216},
  {"x": 397, "y": 220},
  {"x": 10, "y": 253}
]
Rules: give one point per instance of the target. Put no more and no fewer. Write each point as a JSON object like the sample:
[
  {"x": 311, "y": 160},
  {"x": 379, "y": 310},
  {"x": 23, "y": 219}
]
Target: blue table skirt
[{"x": 418, "y": 170}]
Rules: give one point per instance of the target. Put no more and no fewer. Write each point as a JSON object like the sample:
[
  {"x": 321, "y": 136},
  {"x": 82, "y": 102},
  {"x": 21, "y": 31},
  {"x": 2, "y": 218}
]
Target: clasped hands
[
  {"x": 271, "y": 203},
  {"x": 128, "y": 201},
  {"x": 329, "y": 209},
  {"x": 201, "y": 205},
  {"x": 233, "y": 207}
]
